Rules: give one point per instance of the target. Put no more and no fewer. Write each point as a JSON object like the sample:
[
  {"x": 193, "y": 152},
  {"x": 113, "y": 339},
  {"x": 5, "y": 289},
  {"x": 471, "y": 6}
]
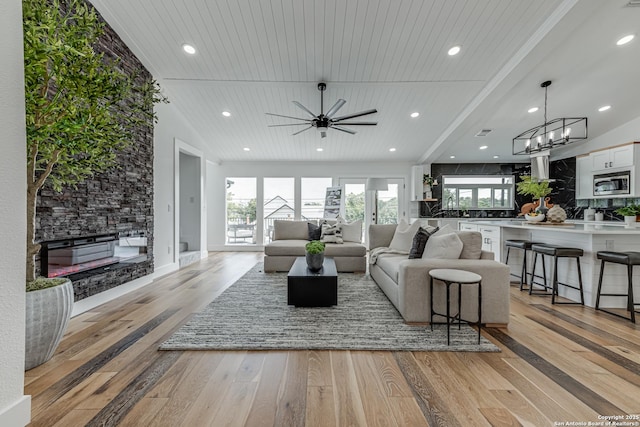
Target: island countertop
[{"x": 581, "y": 227}]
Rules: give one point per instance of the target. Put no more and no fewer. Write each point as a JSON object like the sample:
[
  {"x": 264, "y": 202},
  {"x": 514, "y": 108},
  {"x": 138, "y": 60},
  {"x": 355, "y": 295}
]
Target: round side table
[{"x": 459, "y": 277}]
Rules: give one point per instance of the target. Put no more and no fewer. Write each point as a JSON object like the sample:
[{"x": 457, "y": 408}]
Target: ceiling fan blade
[
  {"x": 300, "y": 131},
  {"x": 333, "y": 110},
  {"x": 357, "y": 123},
  {"x": 352, "y": 132},
  {"x": 304, "y": 108},
  {"x": 290, "y": 124},
  {"x": 350, "y": 116},
  {"x": 288, "y": 117}
]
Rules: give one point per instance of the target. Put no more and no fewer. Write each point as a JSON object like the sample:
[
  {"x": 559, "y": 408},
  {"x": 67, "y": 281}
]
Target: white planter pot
[
  {"x": 630, "y": 221},
  {"x": 47, "y": 314}
]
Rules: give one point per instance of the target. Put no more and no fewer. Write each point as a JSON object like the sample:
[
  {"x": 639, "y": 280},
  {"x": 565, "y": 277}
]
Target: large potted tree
[{"x": 81, "y": 109}]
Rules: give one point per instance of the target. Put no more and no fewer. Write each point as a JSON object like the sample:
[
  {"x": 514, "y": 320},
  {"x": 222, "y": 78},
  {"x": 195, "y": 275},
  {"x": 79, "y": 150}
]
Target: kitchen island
[{"x": 588, "y": 236}]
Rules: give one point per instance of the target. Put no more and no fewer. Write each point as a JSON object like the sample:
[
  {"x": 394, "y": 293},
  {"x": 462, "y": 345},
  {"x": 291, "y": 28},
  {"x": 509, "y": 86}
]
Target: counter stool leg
[
  {"x": 580, "y": 281},
  {"x": 631, "y": 301},
  {"x": 599, "y": 285},
  {"x": 533, "y": 272},
  {"x": 554, "y": 289},
  {"x": 523, "y": 273},
  {"x": 479, "y": 310}
]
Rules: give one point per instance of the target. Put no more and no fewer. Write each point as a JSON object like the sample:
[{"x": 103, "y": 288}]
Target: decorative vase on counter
[
  {"x": 543, "y": 205},
  {"x": 556, "y": 214}
]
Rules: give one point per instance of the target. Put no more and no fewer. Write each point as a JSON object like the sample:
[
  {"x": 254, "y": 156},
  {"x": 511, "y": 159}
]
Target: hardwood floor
[{"x": 558, "y": 364}]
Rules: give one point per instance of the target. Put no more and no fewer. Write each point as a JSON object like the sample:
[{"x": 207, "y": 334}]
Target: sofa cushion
[
  {"x": 315, "y": 231},
  {"x": 390, "y": 264},
  {"x": 471, "y": 244},
  {"x": 443, "y": 246},
  {"x": 420, "y": 241},
  {"x": 331, "y": 233},
  {"x": 350, "y": 249},
  {"x": 351, "y": 231},
  {"x": 286, "y": 247},
  {"x": 290, "y": 230},
  {"x": 403, "y": 237}
]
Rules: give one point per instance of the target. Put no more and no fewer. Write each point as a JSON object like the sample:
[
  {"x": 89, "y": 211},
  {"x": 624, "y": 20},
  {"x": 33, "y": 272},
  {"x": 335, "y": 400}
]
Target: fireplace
[{"x": 90, "y": 254}]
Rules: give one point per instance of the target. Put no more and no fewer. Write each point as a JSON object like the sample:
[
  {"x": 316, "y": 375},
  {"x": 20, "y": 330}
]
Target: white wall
[
  {"x": 627, "y": 132},
  {"x": 190, "y": 201},
  {"x": 171, "y": 125},
  {"x": 14, "y": 406},
  {"x": 216, "y": 188}
]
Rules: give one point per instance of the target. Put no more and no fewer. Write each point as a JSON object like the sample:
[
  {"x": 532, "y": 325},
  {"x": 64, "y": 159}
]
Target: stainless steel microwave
[{"x": 614, "y": 183}]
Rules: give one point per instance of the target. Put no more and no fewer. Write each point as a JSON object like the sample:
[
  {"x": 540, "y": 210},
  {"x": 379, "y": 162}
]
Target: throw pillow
[
  {"x": 403, "y": 237},
  {"x": 420, "y": 241},
  {"x": 471, "y": 244},
  {"x": 351, "y": 231},
  {"x": 331, "y": 233},
  {"x": 444, "y": 246},
  {"x": 315, "y": 232}
]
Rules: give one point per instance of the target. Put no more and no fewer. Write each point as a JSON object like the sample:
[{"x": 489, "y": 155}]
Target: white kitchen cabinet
[
  {"x": 416, "y": 183},
  {"x": 612, "y": 158},
  {"x": 491, "y": 240},
  {"x": 584, "y": 177},
  {"x": 465, "y": 226}
]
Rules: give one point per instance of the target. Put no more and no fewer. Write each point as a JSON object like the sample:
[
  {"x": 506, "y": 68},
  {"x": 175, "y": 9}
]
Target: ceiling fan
[{"x": 324, "y": 121}]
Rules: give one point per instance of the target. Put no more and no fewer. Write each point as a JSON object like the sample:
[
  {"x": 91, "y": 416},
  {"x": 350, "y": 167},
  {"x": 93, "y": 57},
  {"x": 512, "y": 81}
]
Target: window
[
  {"x": 279, "y": 203},
  {"x": 241, "y": 210},
  {"x": 478, "y": 192},
  {"x": 313, "y": 192}
]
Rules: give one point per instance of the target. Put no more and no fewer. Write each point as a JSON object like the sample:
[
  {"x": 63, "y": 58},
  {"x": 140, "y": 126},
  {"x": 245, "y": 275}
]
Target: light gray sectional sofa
[
  {"x": 406, "y": 281},
  {"x": 289, "y": 240}
]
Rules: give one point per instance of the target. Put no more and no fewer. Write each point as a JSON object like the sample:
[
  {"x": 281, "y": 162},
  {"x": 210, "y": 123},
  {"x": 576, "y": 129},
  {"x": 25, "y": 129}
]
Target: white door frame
[{"x": 183, "y": 147}]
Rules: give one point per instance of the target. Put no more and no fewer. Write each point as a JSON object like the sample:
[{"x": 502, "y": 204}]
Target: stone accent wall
[{"x": 119, "y": 200}]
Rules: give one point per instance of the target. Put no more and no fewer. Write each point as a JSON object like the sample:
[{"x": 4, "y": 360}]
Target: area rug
[{"x": 252, "y": 314}]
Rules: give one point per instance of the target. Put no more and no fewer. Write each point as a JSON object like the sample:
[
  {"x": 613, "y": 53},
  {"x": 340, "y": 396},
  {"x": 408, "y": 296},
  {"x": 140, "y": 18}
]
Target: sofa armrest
[
  {"x": 487, "y": 255},
  {"x": 413, "y": 286},
  {"x": 380, "y": 235}
]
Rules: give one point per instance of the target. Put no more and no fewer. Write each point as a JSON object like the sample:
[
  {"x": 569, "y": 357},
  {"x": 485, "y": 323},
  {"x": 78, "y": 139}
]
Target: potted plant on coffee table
[
  {"x": 314, "y": 254},
  {"x": 81, "y": 110}
]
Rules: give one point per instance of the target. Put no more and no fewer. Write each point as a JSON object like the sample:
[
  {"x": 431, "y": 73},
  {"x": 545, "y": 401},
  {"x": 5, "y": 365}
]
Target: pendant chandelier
[{"x": 550, "y": 134}]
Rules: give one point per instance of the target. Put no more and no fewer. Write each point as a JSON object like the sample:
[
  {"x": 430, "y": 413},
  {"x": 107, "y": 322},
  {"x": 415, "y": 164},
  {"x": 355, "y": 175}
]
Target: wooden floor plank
[{"x": 557, "y": 364}]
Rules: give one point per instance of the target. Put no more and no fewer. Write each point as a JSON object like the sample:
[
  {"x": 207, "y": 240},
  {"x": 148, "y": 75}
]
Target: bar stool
[
  {"x": 626, "y": 258},
  {"x": 459, "y": 277},
  {"x": 557, "y": 252},
  {"x": 525, "y": 245}
]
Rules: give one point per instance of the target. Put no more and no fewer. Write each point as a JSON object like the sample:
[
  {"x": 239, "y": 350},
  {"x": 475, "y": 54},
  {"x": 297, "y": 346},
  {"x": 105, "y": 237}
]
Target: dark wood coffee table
[{"x": 308, "y": 289}]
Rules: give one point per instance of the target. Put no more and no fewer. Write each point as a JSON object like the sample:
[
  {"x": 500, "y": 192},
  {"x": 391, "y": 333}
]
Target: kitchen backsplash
[{"x": 564, "y": 190}]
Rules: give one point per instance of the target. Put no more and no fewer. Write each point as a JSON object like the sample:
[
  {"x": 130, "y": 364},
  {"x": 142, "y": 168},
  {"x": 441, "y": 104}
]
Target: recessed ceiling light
[
  {"x": 484, "y": 147},
  {"x": 454, "y": 50},
  {"x": 414, "y": 115},
  {"x": 496, "y": 157},
  {"x": 532, "y": 110},
  {"x": 625, "y": 40},
  {"x": 452, "y": 157},
  {"x": 247, "y": 149},
  {"x": 226, "y": 114},
  {"x": 319, "y": 149},
  {"x": 189, "y": 49},
  {"x": 604, "y": 108},
  {"x": 392, "y": 149}
]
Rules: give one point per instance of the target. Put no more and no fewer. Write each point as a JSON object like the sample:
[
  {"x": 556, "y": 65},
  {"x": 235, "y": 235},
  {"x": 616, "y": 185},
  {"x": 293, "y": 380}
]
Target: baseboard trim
[
  {"x": 165, "y": 269},
  {"x": 234, "y": 248},
  {"x": 18, "y": 413},
  {"x": 93, "y": 301}
]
